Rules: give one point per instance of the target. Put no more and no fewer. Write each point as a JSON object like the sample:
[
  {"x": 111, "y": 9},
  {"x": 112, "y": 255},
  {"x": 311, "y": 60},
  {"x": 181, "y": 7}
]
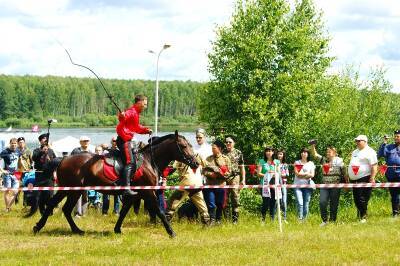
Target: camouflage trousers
[
  {"x": 232, "y": 194},
  {"x": 195, "y": 196}
]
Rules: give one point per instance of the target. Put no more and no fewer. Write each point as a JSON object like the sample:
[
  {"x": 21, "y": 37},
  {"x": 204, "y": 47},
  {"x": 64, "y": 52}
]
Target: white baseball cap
[
  {"x": 362, "y": 137},
  {"x": 84, "y": 138}
]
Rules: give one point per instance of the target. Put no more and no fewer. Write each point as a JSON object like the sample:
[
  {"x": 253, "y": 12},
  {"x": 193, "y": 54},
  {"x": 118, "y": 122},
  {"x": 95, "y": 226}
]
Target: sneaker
[
  {"x": 323, "y": 224},
  {"x": 363, "y": 221}
]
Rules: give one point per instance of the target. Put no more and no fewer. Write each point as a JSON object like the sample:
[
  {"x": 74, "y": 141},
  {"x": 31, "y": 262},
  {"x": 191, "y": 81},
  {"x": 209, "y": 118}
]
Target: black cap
[
  {"x": 42, "y": 136},
  {"x": 396, "y": 132},
  {"x": 219, "y": 144},
  {"x": 20, "y": 138}
]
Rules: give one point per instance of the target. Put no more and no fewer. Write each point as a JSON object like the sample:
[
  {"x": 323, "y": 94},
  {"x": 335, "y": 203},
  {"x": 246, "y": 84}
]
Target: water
[
  {"x": 97, "y": 136},
  {"x": 104, "y": 135}
]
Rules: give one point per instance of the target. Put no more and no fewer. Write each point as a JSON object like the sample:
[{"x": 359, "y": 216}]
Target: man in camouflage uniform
[
  {"x": 237, "y": 175},
  {"x": 188, "y": 178},
  {"x": 217, "y": 170},
  {"x": 25, "y": 163}
]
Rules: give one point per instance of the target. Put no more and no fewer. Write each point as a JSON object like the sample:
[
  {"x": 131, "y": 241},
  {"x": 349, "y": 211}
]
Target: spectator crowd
[{"x": 222, "y": 164}]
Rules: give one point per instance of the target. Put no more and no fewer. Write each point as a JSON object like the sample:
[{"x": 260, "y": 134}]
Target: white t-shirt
[
  {"x": 364, "y": 158},
  {"x": 204, "y": 150},
  {"x": 308, "y": 168}
]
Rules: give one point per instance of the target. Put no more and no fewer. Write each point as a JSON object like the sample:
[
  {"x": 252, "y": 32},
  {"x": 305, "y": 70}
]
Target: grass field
[{"x": 248, "y": 243}]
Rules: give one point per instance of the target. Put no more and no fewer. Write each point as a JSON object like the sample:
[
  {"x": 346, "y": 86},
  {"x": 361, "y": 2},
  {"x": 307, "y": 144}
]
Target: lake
[
  {"x": 104, "y": 135},
  {"x": 96, "y": 135}
]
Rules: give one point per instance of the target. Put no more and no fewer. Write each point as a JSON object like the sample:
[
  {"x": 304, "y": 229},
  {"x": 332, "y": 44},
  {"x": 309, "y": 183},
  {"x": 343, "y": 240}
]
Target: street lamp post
[{"x": 165, "y": 46}]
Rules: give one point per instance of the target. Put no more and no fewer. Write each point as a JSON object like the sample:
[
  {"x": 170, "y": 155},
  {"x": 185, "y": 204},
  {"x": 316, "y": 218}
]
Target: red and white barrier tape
[{"x": 342, "y": 185}]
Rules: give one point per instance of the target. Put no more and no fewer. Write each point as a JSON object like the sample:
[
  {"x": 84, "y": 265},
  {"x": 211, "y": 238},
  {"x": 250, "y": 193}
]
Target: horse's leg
[
  {"x": 153, "y": 206},
  {"x": 151, "y": 212},
  {"x": 127, "y": 203},
  {"x": 53, "y": 202},
  {"x": 69, "y": 205}
]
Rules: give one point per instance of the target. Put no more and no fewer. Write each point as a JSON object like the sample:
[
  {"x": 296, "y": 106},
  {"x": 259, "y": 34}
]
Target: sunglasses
[
  {"x": 228, "y": 142},
  {"x": 199, "y": 137}
]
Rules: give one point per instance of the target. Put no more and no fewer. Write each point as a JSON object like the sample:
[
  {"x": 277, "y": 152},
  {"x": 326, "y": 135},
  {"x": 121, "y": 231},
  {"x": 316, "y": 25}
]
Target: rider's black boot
[{"x": 126, "y": 180}]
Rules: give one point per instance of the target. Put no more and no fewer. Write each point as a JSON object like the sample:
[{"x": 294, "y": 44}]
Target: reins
[
  {"x": 186, "y": 160},
  {"x": 152, "y": 161}
]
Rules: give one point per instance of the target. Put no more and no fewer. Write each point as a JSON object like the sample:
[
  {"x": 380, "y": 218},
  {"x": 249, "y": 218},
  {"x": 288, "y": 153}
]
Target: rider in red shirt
[{"x": 129, "y": 125}]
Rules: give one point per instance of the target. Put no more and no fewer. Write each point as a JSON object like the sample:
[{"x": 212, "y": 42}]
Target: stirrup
[{"x": 129, "y": 192}]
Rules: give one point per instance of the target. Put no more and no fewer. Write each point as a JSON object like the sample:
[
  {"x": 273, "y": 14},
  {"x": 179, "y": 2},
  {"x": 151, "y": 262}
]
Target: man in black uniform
[{"x": 40, "y": 157}]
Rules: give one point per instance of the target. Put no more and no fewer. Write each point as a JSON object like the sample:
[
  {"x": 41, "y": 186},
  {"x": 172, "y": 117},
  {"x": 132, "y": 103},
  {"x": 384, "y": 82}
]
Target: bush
[{"x": 250, "y": 200}]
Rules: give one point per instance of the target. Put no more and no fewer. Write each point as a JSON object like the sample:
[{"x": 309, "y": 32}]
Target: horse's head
[{"x": 185, "y": 151}]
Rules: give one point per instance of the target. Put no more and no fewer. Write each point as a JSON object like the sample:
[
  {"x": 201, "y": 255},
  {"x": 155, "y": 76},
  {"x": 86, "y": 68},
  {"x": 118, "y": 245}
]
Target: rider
[{"x": 129, "y": 125}]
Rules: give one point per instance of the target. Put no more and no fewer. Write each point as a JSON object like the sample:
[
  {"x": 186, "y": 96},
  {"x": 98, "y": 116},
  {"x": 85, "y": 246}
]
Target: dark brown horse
[{"x": 87, "y": 170}]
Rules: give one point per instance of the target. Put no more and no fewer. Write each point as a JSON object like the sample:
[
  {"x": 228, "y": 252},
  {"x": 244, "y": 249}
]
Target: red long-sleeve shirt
[{"x": 129, "y": 124}]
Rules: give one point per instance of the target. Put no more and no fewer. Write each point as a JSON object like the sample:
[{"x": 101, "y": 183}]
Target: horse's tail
[{"x": 51, "y": 166}]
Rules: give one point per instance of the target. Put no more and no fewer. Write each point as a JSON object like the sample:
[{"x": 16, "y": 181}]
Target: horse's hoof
[
  {"x": 117, "y": 230},
  {"x": 172, "y": 235},
  {"x": 35, "y": 229},
  {"x": 79, "y": 232}
]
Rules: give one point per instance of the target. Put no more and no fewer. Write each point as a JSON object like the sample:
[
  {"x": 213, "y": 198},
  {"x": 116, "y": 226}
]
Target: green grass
[{"x": 249, "y": 242}]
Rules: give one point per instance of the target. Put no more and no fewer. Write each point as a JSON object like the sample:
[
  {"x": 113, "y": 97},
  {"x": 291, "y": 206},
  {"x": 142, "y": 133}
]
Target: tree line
[{"x": 27, "y": 99}]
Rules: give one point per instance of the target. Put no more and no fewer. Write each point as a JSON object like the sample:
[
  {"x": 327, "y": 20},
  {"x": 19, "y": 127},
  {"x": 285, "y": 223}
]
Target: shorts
[{"x": 10, "y": 181}]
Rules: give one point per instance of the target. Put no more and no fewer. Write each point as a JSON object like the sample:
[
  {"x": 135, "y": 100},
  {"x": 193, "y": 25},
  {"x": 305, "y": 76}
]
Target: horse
[{"x": 87, "y": 170}]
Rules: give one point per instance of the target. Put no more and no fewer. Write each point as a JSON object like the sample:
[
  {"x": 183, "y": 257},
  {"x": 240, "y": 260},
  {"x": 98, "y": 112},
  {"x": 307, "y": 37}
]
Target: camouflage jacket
[
  {"x": 25, "y": 160},
  {"x": 236, "y": 158}
]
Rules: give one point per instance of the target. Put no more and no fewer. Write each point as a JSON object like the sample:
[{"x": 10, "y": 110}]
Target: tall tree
[{"x": 264, "y": 66}]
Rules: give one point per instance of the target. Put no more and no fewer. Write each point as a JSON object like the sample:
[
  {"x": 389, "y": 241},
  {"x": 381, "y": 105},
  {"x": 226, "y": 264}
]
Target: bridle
[{"x": 189, "y": 160}]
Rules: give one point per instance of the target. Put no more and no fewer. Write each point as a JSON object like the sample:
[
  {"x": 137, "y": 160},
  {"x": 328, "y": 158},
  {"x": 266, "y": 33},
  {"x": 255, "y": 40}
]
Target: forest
[{"x": 79, "y": 102}]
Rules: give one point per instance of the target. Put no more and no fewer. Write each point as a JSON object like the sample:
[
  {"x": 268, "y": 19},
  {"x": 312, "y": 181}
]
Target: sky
[{"x": 113, "y": 37}]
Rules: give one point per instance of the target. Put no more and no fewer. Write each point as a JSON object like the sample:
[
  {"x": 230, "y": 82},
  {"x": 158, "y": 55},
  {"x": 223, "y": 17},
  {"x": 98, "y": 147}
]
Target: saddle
[{"x": 113, "y": 166}]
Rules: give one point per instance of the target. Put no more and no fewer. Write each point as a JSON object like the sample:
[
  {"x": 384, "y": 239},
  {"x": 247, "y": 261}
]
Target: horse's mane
[{"x": 157, "y": 140}]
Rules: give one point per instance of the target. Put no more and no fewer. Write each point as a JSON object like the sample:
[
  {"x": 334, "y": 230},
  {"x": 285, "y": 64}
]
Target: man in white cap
[
  {"x": 82, "y": 203},
  {"x": 362, "y": 169},
  {"x": 84, "y": 142}
]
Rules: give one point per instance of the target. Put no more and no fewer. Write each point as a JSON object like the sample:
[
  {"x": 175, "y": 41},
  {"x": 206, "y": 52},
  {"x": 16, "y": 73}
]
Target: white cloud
[
  {"x": 364, "y": 33},
  {"x": 113, "y": 37}
]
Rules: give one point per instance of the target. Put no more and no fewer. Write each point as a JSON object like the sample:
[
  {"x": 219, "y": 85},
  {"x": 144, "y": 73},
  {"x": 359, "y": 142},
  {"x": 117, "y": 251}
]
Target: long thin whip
[{"x": 108, "y": 94}]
